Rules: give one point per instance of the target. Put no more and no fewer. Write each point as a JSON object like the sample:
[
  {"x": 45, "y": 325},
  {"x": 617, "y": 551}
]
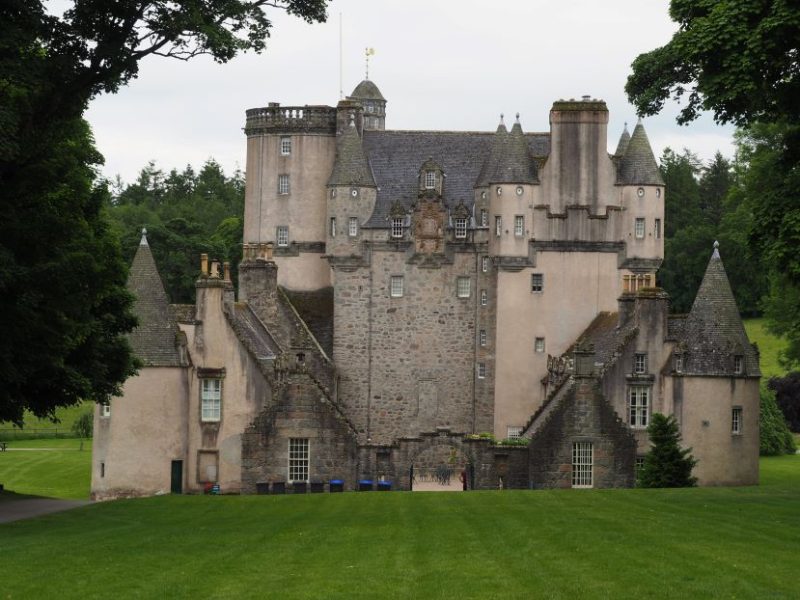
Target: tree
[
  {"x": 62, "y": 298},
  {"x": 787, "y": 396},
  {"x": 667, "y": 464},
  {"x": 774, "y": 435}
]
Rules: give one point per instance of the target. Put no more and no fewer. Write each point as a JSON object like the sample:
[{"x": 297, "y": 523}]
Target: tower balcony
[{"x": 278, "y": 119}]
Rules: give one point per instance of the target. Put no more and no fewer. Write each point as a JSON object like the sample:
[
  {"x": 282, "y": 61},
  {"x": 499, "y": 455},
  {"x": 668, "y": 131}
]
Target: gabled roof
[
  {"x": 154, "y": 340},
  {"x": 714, "y": 332},
  {"x": 638, "y": 165},
  {"x": 351, "y": 166},
  {"x": 396, "y": 157}
]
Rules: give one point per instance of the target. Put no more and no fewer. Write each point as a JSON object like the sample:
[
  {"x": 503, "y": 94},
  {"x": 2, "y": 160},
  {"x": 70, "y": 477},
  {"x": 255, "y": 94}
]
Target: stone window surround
[
  {"x": 537, "y": 283},
  {"x": 639, "y": 406},
  {"x": 333, "y": 227},
  {"x": 513, "y": 432},
  {"x": 582, "y": 464},
  {"x": 105, "y": 410},
  {"x": 286, "y": 145},
  {"x": 481, "y": 370},
  {"x": 738, "y": 364},
  {"x": 396, "y": 286},
  {"x": 482, "y": 337},
  {"x": 639, "y": 228},
  {"x": 485, "y": 264},
  {"x": 210, "y": 399},
  {"x": 519, "y": 225},
  {"x": 463, "y": 287},
  {"x": 484, "y": 298},
  {"x": 736, "y": 420},
  {"x": 658, "y": 229},
  {"x": 283, "y": 184},
  {"x": 298, "y": 459},
  {"x": 430, "y": 180},
  {"x": 498, "y": 225},
  {"x": 397, "y": 227},
  {"x": 352, "y": 227},
  {"x": 282, "y": 235},
  {"x": 460, "y": 226},
  {"x": 484, "y": 217},
  {"x": 640, "y": 363},
  {"x": 538, "y": 344}
]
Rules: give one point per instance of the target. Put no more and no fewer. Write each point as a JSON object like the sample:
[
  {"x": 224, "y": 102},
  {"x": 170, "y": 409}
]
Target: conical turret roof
[
  {"x": 509, "y": 159},
  {"x": 638, "y": 165},
  {"x": 351, "y": 166},
  {"x": 714, "y": 330},
  {"x": 154, "y": 339},
  {"x": 367, "y": 90},
  {"x": 624, "y": 140}
]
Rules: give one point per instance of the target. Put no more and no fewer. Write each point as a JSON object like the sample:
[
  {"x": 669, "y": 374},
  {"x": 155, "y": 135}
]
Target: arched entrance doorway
[{"x": 440, "y": 466}]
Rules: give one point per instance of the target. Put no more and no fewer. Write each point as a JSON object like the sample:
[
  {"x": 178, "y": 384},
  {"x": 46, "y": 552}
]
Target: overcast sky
[{"x": 444, "y": 64}]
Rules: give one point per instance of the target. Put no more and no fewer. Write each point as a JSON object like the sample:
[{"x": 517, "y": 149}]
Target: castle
[{"x": 403, "y": 292}]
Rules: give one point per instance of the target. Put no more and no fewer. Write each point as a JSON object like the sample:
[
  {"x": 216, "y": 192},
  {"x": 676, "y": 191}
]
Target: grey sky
[{"x": 448, "y": 64}]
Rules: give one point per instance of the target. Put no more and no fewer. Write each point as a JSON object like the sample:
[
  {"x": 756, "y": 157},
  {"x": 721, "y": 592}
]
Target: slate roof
[
  {"x": 350, "y": 166},
  {"x": 638, "y": 165},
  {"x": 154, "y": 339},
  {"x": 251, "y": 331},
  {"x": 396, "y": 157},
  {"x": 624, "y": 140},
  {"x": 367, "y": 90},
  {"x": 509, "y": 160},
  {"x": 714, "y": 332}
]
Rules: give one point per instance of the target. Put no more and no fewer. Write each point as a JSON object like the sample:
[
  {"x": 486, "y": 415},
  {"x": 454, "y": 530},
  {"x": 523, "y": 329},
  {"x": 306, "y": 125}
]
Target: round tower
[{"x": 370, "y": 97}]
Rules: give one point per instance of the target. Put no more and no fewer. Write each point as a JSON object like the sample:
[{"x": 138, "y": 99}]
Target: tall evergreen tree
[{"x": 667, "y": 464}]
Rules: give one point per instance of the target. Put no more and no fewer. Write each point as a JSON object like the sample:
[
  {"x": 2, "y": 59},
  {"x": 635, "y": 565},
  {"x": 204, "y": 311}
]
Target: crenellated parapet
[
  {"x": 290, "y": 119},
  {"x": 578, "y": 222}
]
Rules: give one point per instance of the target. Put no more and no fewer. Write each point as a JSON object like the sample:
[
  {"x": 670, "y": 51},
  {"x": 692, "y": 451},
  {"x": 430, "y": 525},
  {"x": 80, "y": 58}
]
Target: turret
[{"x": 370, "y": 97}]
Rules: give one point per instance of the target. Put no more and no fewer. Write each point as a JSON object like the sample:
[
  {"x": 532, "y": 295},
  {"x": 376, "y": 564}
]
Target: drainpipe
[
  {"x": 475, "y": 337},
  {"x": 369, "y": 345}
]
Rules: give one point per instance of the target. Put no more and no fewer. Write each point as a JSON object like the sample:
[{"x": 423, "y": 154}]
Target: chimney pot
[{"x": 204, "y": 265}]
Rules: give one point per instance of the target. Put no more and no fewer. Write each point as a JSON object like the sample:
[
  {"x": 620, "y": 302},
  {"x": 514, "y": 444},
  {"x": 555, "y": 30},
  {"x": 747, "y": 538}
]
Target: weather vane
[{"x": 367, "y": 53}]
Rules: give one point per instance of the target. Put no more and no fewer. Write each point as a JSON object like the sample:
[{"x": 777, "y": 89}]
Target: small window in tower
[
  {"x": 513, "y": 432},
  {"x": 333, "y": 193},
  {"x": 519, "y": 190},
  {"x": 481, "y": 370},
  {"x": 658, "y": 192},
  {"x": 105, "y": 409},
  {"x": 658, "y": 229},
  {"x": 485, "y": 264},
  {"x": 484, "y": 218},
  {"x": 482, "y": 337},
  {"x": 738, "y": 365},
  {"x": 283, "y": 184},
  {"x": 519, "y": 226},
  {"x": 333, "y": 226},
  {"x": 397, "y": 227},
  {"x": 282, "y": 235},
  {"x": 352, "y": 228},
  {"x": 537, "y": 282},
  {"x": 370, "y": 107},
  {"x": 498, "y": 190},
  {"x": 639, "y": 228},
  {"x": 484, "y": 298},
  {"x": 461, "y": 228},
  {"x": 640, "y": 363},
  {"x": 430, "y": 180},
  {"x": 463, "y": 287},
  {"x": 538, "y": 344},
  {"x": 396, "y": 286},
  {"x": 483, "y": 195},
  {"x": 679, "y": 363},
  {"x": 640, "y": 192},
  {"x": 498, "y": 225},
  {"x": 286, "y": 146},
  {"x": 354, "y": 192},
  {"x": 736, "y": 420}
]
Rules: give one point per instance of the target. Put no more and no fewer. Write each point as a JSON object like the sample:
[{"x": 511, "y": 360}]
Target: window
[
  {"x": 519, "y": 226},
  {"x": 484, "y": 218},
  {"x": 640, "y": 363},
  {"x": 738, "y": 365},
  {"x": 639, "y": 464},
  {"x": 370, "y": 107},
  {"x": 538, "y": 344},
  {"x": 485, "y": 264},
  {"x": 582, "y": 464},
  {"x": 679, "y": 363},
  {"x": 283, "y": 184},
  {"x": 298, "y": 459},
  {"x": 537, "y": 282},
  {"x": 354, "y": 192},
  {"x": 640, "y": 192},
  {"x": 102, "y": 469},
  {"x": 513, "y": 432},
  {"x": 430, "y": 180},
  {"x": 498, "y": 190},
  {"x": 461, "y": 228},
  {"x": 736, "y": 420},
  {"x": 482, "y": 337},
  {"x": 105, "y": 409},
  {"x": 639, "y": 405},
  {"x": 333, "y": 226},
  {"x": 397, "y": 227},
  {"x": 352, "y": 228},
  {"x": 519, "y": 190},
  {"x": 286, "y": 146},
  {"x": 210, "y": 399},
  {"x": 658, "y": 229},
  {"x": 484, "y": 298},
  {"x": 282, "y": 235},
  {"x": 396, "y": 286},
  {"x": 498, "y": 225},
  {"x": 463, "y": 287},
  {"x": 481, "y": 370},
  {"x": 639, "y": 228},
  {"x": 658, "y": 192}
]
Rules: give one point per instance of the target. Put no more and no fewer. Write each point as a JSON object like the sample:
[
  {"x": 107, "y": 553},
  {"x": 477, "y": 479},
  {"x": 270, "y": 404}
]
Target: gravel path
[{"x": 26, "y": 508}]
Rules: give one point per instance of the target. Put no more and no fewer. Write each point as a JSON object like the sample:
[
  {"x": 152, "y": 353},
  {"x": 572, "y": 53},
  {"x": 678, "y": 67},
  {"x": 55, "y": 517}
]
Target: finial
[
  {"x": 625, "y": 127},
  {"x": 639, "y": 121},
  {"x": 501, "y": 119},
  {"x": 517, "y": 117},
  {"x": 716, "y": 250},
  {"x": 143, "y": 241},
  {"x": 367, "y": 53}
]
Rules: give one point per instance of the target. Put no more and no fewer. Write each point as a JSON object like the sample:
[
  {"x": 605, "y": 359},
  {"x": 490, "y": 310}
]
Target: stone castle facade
[{"x": 403, "y": 292}]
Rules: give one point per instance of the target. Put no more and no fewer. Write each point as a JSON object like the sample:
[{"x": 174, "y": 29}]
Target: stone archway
[{"x": 439, "y": 464}]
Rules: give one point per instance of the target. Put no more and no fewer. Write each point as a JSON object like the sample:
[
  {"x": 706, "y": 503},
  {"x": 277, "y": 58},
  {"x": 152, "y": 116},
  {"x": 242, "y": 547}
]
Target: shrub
[
  {"x": 774, "y": 435},
  {"x": 787, "y": 395},
  {"x": 667, "y": 464},
  {"x": 83, "y": 425}
]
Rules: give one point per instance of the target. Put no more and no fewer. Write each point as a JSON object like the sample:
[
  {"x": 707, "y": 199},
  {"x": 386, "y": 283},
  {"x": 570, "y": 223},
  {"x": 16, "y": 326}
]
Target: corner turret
[
  {"x": 638, "y": 165},
  {"x": 370, "y": 97}
]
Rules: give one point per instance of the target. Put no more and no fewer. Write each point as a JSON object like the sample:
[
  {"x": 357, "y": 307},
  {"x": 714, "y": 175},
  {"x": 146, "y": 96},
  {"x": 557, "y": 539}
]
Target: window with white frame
[
  {"x": 482, "y": 337},
  {"x": 519, "y": 225},
  {"x": 738, "y": 365},
  {"x": 484, "y": 298},
  {"x": 298, "y": 459},
  {"x": 736, "y": 420},
  {"x": 498, "y": 225},
  {"x": 485, "y": 264},
  {"x": 640, "y": 363},
  {"x": 537, "y": 282},
  {"x": 484, "y": 218},
  {"x": 481, "y": 370},
  {"x": 370, "y": 107},
  {"x": 283, "y": 184},
  {"x": 658, "y": 229},
  {"x": 461, "y": 228},
  {"x": 210, "y": 399},
  {"x": 582, "y": 458},
  {"x": 538, "y": 344},
  {"x": 286, "y": 146},
  {"x": 679, "y": 363},
  {"x": 638, "y": 228},
  {"x": 396, "y": 286},
  {"x": 513, "y": 432},
  {"x": 333, "y": 226},
  {"x": 105, "y": 409},
  {"x": 638, "y": 406},
  {"x": 463, "y": 287},
  {"x": 639, "y": 464},
  {"x": 430, "y": 180},
  {"x": 282, "y": 235},
  {"x": 397, "y": 227},
  {"x": 352, "y": 227}
]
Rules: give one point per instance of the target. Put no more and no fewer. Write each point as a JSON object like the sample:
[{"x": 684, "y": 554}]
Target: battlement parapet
[{"x": 290, "y": 119}]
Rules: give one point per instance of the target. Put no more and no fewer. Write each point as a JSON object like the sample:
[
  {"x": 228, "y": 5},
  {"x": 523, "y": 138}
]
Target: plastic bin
[
  {"x": 317, "y": 487},
  {"x": 336, "y": 485},
  {"x": 299, "y": 487},
  {"x": 278, "y": 487},
  {"x": 384, "y": 486},
  {"x": 365, "y": 485},
  {"x": 262, "y": 488}
]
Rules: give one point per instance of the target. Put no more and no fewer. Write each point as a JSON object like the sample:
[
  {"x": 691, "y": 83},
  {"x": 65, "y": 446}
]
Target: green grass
[
  {"x": 63, "y": 472},
  {"x": 769, "y": 346},
  {"x": 689, "y": 543},
  {"x": 43, "y": 427}
]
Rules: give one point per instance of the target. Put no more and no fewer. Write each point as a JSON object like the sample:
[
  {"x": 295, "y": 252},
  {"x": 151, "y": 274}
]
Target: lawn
[
  {"x": 54, "y": 467},
  {"x": 691, "y": 543},
  {"x": 43, "y": 427},
  {"x": 769, "y": 346}
]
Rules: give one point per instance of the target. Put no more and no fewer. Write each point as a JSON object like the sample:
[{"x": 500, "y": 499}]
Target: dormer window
[
  {"x": 461, "y": 228},
  {"x": 430, "y": 180},
  {"x": 738, "y": 364},
  {"x": 397, "y": 227}
]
